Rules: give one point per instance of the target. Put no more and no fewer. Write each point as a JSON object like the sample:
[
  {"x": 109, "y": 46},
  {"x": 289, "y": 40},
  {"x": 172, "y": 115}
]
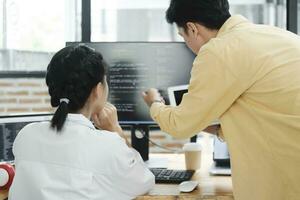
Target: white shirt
[{"x": 79, "y": 162}]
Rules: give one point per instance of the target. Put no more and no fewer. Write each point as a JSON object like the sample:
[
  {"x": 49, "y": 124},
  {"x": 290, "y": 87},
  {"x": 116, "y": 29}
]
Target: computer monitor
[
  {"x": 136, "y": 66},
  {"x": 10, "y": 127}
]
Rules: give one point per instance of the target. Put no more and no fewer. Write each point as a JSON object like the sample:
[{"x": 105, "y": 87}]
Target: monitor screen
[
  {"x": 136, "y": 66},
  {"x": 10, "y": 127}
]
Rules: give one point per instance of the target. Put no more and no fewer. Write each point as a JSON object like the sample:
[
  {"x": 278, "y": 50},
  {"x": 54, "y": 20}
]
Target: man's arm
[{"x": 213, "y": 89}]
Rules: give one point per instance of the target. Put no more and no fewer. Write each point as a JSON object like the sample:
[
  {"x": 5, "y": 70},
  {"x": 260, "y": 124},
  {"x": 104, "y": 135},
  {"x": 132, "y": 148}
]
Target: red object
[{"x": 11, "y": 173}]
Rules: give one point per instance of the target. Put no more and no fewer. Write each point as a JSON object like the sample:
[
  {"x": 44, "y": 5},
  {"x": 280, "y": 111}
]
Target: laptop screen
[
  {"x": 176, "y": 93},
  {"x": 10, "y": 126}
]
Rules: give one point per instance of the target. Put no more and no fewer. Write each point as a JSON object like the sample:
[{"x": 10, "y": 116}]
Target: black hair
[
  {"x": 210, "y": 13},
  {"x": 72, "y": 74}
]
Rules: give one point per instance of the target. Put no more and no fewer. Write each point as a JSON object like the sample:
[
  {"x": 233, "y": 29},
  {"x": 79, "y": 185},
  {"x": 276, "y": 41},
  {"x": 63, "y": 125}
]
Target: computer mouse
[{"x": 187, "y": 186}]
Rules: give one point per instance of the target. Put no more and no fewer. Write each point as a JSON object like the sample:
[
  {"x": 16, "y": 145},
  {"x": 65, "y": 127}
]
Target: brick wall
[
  {"x": 23, "y": 96},
  {"x": 31, "y": 95}
]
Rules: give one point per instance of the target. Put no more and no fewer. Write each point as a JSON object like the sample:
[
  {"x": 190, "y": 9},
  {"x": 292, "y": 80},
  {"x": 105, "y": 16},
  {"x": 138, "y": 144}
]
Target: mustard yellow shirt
[{"x": 249, "y": 78}]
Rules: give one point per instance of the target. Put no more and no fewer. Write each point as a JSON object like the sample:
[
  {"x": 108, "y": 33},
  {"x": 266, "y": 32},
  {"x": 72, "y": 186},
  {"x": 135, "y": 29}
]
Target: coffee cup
[{"x": 192, "y": 152}]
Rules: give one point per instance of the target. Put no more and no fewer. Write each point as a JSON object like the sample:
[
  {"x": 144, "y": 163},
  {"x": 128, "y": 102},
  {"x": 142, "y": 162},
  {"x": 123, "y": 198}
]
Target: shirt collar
[
  {"x": 231, "y": 23},
  {"x": 80, "y": 119}
]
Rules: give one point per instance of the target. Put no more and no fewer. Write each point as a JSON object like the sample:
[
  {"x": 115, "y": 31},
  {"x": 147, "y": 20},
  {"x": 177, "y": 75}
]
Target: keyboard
[{"x": 171, "y": 175}]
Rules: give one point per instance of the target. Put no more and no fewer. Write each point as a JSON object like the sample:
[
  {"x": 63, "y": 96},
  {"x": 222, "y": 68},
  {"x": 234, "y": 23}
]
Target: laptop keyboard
[{"x": 171, "y": 175}]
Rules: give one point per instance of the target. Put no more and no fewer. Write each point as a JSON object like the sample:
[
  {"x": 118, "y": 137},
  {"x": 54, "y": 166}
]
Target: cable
[{"x": 158, "y": 145}]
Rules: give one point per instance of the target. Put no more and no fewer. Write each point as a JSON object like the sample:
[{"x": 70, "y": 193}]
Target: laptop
[
  {"x": 221, "y": 158},
  {"x": 176, "y": 93},
  {"x": 10, "y": 126}
]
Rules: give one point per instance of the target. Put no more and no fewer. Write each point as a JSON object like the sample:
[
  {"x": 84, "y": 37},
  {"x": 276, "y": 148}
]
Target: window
[
  {"x": 143, "y": 20},
  {"x": 1, "y": 24},
  {"x": 32, "y": 30},
  {"x": 270, "y": 12},
  {"x": 298, "y": 16},
  {"x": 131, "y": 20}
]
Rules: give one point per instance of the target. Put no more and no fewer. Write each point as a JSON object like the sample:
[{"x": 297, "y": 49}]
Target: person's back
[
  {"x": 262, "y": 127},
  {"x": 80, "y": 163}
]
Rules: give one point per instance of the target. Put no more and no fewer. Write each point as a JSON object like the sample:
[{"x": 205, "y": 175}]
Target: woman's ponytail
[{"x": 60, "y": 115}]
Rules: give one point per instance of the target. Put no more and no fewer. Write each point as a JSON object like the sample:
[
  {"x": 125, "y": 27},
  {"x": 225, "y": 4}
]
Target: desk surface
[{"x": 209, "y": 188}]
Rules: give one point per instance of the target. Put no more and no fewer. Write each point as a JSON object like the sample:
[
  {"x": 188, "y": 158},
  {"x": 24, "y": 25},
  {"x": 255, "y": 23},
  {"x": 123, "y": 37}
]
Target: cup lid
[{"x": 192, "y": 146}]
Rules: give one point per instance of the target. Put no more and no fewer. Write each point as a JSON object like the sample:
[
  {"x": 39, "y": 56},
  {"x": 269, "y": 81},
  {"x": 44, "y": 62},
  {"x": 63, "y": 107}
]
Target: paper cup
[{"x": 192, "y": 152}]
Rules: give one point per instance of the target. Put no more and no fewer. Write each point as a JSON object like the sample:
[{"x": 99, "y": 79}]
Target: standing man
[{"x": 247, "y": 76}]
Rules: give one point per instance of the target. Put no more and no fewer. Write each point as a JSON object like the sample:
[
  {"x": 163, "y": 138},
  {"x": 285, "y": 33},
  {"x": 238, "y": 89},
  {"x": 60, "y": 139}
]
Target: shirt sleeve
[
  {"x": 212, "y": 90},
  {"x": 133, "y": 176},
  {"x": 19, "y": 143}
]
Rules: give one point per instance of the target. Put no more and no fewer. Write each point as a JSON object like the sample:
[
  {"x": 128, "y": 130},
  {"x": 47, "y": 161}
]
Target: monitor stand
[{"x": 139, "y": 140}]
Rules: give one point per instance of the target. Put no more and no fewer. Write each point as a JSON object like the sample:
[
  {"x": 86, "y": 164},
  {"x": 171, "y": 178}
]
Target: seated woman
[{"x": 68, "y": 158}]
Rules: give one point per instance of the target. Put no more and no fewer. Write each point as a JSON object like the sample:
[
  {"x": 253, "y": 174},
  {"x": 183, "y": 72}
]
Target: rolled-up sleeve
[{"x": 213, "y": 88}]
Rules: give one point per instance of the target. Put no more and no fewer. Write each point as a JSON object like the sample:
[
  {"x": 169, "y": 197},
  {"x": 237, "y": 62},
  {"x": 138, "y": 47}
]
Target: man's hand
[{"x": 152, "y": 95}]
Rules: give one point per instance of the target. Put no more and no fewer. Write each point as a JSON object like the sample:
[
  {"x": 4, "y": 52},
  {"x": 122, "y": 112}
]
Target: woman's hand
[{"x": 107, "y": 118}]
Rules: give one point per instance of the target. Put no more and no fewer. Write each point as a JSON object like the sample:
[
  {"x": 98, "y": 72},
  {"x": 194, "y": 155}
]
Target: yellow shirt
[{"x": 249, "y": 78}]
